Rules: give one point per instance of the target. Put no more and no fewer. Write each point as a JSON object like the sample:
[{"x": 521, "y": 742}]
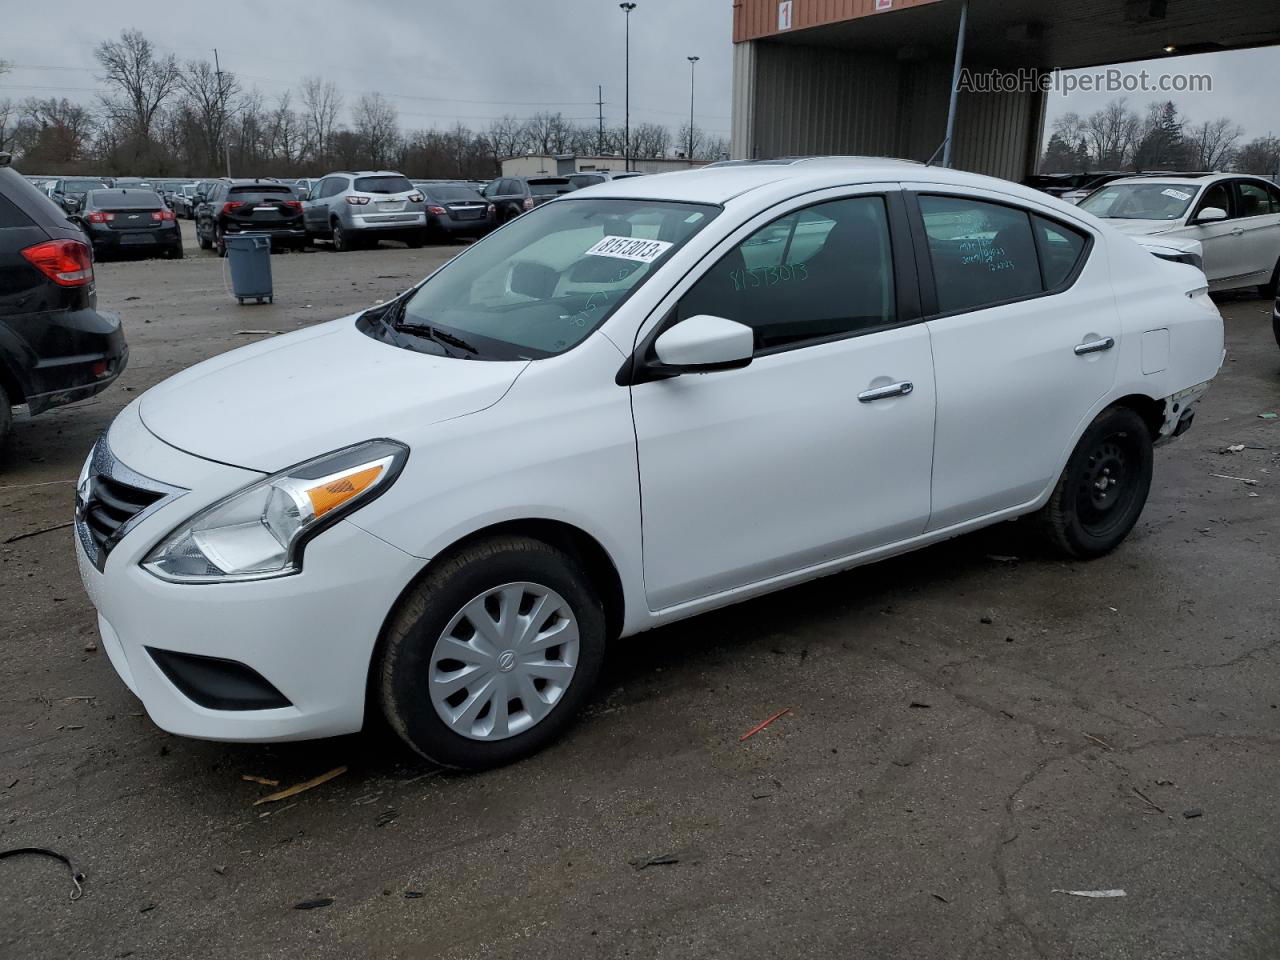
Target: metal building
[{"x": 874, "y": 76}]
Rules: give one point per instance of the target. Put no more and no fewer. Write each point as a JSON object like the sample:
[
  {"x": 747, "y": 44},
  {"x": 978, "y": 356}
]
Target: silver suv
[{"x": 355, "y": 208}]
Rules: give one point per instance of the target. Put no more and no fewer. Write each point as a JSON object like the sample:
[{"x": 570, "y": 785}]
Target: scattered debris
[
  {"x": 298, "y": 788},
  {"x": 146, "y": 908},
  {"x": 413, "y": 894},
  {"x": 1223, "y": 476},
  {"x": 1098, "y": 740},
  {"x": 1234, "y": 448},
  {"x": 939, "y": 897},
  {"x": 1266, "y": 416},
  {"x": 1147, "y": 800},
  {"x": 1192, "y": 812},
  {"x": 760, "y": 726},
  {"x": 256, "y": 333},
  {"x": 999, "y": 558},
  {"x": 77, "y": 878},
  {"x": 1164, "y": 783},
  {"x": 986, "y": 620},
  {"x": 917, "y": 705},
  {"x": 127, "y": 299},
  {"x": 262, "y": 780},
  {"x": 35, "y": 533},
  {"x": 664, "y": 861},
  {"x": 385, "y": 818},
  {"x": 220, "y": 871},
  {"x": 313, "y": 904},
  {"x": 1094, "y": 894}
]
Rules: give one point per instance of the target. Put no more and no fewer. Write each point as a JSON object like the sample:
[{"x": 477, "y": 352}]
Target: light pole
[
  {"x": 626, "y": 136},
  {"x": 693, "y": 66}
]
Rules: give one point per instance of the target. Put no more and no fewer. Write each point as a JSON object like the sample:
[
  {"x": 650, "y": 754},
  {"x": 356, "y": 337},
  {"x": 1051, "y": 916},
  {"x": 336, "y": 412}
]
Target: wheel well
[{"x": 1151, "y": 411}]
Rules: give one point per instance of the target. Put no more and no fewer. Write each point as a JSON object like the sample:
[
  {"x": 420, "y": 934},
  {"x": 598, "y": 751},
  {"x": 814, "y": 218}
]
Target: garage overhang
[{"x": 1041, "y": 34}]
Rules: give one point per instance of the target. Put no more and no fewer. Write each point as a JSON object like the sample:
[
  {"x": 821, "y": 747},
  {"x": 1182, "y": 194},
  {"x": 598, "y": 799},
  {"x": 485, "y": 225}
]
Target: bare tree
[
  {"x": 321, "y": 104},
  {"x": 505, "y": 138},
  {"x": 1211, "y": 144},
  {"x": 378, "y": 128},
  {"x": 1260, "y": 156},
  {"x": 1113, "y": 133},
  {"x": 139, "y": 80},
  {"x": 650, "y": 141},
  {"x": 286, "y": 136},
  {"x": 209, "y": 94},
  {"x": 8, "y": 123},
  {"x": 548, "y": 134}
]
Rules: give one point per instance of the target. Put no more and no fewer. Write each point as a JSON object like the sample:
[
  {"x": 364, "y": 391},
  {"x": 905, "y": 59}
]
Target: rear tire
[
  {"x": 1275, "y": 324},
  {"x": 220, "y": 241},
  {"x": 6, "y": 419},
  {"x": 342, "y": 241},
  {"x": 416, "y": 241},
  {"x": 1103, "y": 487},
  {"x": 202, "y": 239},
  {"x": 174, "y": 253},
  {"x": 448, "y": 614}
]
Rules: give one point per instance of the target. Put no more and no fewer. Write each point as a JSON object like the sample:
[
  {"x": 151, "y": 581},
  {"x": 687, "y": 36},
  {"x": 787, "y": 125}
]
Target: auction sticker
[
  {"x": 627, "y": 248},
  {"x": 1176, "y": 194}
]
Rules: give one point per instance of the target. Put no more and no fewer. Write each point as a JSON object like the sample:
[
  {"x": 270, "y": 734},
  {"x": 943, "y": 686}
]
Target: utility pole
[
  {"x": 626, "y": 137},
  {"x": 217, "y": 66},
  {"x": 600, "y": 137},
  {"x": 693, "y": 66},
  {"x": 955, "y": 83}
]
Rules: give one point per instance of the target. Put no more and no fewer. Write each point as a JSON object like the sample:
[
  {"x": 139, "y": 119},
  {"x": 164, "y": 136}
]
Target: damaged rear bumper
[{"x": 1180, "y": 411}]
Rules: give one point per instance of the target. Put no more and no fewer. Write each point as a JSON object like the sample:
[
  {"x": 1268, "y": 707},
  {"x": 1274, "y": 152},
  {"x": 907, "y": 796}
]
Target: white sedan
[
  {"x": 642, "y": 401},
  {"x": 1235, "y": 220}
]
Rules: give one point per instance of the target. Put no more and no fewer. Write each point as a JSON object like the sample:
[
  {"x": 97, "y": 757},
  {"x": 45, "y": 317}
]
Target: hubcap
[{"x": 504, "y": 661}]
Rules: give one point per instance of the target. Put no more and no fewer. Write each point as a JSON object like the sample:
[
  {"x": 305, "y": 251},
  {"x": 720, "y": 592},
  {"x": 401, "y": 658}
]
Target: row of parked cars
[{"x": 350, "y": 209}]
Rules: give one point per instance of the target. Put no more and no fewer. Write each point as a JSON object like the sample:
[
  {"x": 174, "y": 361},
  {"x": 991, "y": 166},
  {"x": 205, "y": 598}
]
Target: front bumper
[{"x": 309, "y": 636}]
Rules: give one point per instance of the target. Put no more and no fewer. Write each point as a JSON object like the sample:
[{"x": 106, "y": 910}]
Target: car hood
[
  {"x": 1143, "y": 228},
  {"x": 281, "y": 401}
]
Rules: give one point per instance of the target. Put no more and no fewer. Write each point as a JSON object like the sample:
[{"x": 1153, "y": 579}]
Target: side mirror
[
  {"x": 704, "y": 343},
  {"x": 1211, "y": 215}
]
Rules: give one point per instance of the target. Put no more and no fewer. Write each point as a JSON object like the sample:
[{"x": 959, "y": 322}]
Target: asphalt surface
[{"x": 972, "y": 729}]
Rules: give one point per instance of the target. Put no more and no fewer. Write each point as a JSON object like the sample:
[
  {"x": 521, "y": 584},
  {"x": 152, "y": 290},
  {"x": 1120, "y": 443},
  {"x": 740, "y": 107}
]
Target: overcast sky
[
  {"x": 474, "y": 60},
  {"x": 438, "y": 61}
]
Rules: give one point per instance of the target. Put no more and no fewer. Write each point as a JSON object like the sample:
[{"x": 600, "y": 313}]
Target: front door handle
[
  {"x": 1095, "y": 346},
  {"x": 1237, "y": 232},
  {"x": 884, "y": 393}
]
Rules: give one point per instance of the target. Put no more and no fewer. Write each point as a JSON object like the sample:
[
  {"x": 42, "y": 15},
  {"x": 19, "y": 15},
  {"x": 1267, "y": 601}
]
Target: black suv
[
  {"x": 512, "y": 196},
  {"x": 249, "y": 206},
  {"x": 55, "y": 347}
]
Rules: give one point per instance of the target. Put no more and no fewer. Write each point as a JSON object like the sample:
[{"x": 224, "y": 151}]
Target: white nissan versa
[{"x": 641, "y": 401}]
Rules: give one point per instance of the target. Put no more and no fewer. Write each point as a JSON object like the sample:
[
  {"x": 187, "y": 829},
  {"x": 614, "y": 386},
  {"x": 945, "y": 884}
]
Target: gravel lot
[{"x": 972, "y": 728}]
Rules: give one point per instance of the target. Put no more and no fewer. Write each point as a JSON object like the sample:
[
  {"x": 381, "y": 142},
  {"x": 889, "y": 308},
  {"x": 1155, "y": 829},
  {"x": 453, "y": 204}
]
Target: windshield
[
  {"x": 1140, "y": 201},
  {"x": 383, "y": 184},
  {"x": 543, "y": 283}
]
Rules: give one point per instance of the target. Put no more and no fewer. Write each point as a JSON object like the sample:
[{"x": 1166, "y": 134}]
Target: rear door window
[
  {"x": 982, "y": 253},
  {"x": 1254, "y": 199}
]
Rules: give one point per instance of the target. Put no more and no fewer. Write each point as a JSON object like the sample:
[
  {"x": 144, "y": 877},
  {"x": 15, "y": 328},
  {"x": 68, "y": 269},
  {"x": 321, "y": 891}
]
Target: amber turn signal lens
[{"x": 338, "y": 491}]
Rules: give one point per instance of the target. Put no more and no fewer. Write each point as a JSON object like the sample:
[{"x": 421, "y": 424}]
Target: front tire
[
  {"x": 220, "y": 241},
  {"x": 202, "y": 239},
  {"x": 487, "y": 659},
  {"x": 1103, "y": 487},
  {"x": 1269, "y": 290}
]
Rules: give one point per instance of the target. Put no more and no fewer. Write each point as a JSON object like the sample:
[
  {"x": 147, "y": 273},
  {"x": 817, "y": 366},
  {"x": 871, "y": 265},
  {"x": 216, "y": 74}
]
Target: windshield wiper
[{"x": 433, "y": 333}]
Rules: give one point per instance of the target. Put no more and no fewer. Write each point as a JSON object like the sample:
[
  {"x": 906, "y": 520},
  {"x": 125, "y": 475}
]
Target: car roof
[
  {"x": 1185, "y": 179},
  {"x": 720, "y": 183}
]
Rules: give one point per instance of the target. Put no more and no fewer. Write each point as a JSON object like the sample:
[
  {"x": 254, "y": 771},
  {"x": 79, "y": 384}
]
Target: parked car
[
  {"x": 455, "y": 210},
  {"x": 355, "y": 209},
  {"x": 589, "y": 178},
  {"x": 68, "y": 192},
  {"x": 1236, "y": 219},
  {"x": 512, "y": 196},
  {"x": 1083, "y": 184},
  {"x": 504, "y": 497},
  {"x": 55, "y": 347},
  {"x": 249, "y": 206},
  {"x": 182, "y": 201},
  {"x": 127, "y": 221}
]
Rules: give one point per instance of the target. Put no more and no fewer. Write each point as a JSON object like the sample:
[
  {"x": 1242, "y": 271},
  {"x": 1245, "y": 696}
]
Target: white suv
[
  {"x": 361, "y": 208},
  {"x": 636, "y": 403}
]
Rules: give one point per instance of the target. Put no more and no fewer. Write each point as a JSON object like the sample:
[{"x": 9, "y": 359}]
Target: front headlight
[{"x": 259, "y": 531}]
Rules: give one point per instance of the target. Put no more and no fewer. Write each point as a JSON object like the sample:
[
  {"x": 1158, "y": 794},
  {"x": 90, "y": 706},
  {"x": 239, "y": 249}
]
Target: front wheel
[
  {"x": 1270, "y": 289},
  {"x": 1103, "y": 488},
  {"x": 220, "y": 241},
  {"x": 202, "y": 238},
  {"x": 487, "y": 659}
]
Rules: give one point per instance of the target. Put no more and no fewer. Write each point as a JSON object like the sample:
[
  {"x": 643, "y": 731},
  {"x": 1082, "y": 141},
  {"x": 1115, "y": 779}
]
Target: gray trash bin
[{"x": 249, "y": 255}]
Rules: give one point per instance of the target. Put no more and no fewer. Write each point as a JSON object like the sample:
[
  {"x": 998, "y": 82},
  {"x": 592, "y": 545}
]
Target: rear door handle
[
  {"x": 884, "y": 393},
  {"x": 1095, "y": 346},
  {"x": 1237, "y": 232}
]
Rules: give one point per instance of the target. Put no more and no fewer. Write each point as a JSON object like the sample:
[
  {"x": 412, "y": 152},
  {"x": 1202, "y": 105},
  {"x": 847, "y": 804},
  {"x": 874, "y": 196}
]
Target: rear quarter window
[{"x": 11, "y": 216}]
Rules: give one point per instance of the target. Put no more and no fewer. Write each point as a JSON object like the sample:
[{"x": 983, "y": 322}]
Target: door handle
[
  {"x": 1237, "y": 232},
  {"x": 1095, "y": 346},
  {"x": 884, "y": 393}
]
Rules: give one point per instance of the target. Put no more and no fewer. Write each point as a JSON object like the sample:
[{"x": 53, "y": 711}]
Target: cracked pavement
[{"x": 937, "y": 778}]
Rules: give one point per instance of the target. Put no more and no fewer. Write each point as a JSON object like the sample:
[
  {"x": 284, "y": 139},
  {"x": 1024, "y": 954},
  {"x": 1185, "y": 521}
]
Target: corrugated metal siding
[
  {"x": 753, "y": 19},
  {"x": 794, "y": 100},
  {"x": 813, "y": 100}
]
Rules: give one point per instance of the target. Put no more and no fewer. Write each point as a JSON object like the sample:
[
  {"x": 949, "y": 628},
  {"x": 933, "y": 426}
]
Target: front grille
[{"x": 111, "y": 500}]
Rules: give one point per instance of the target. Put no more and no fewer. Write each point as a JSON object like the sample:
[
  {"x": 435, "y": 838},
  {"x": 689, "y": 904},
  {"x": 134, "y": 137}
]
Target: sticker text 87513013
[{"x": 629, "y": 248}]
